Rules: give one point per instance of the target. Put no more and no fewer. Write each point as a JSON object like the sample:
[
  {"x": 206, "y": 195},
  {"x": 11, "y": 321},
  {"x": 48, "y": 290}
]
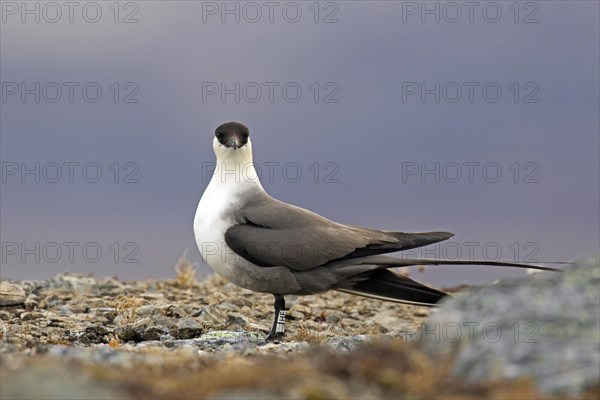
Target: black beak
[{"x": 233, "y": 143}]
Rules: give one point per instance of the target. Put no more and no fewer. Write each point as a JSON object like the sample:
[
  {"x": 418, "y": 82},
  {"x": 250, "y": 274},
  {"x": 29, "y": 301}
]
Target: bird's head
[{"x": 232, "y": 141}]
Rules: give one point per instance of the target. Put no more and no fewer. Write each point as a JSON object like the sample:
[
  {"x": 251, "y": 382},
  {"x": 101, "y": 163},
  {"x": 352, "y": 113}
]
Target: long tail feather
[
  {"x": 383, "y": 284},
  {"x": 386, "y": 285},
  {"x": 405, "y": 262}
]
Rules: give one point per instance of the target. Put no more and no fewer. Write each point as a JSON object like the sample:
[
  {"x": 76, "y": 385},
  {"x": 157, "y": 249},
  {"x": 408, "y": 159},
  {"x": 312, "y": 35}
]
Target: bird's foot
[
  {"x": 278, "y": 330},
  {"x": 275, "y": 337}
]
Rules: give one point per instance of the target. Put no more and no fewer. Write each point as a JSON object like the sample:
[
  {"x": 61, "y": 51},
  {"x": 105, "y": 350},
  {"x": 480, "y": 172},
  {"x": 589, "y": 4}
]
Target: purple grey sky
[{"x": 369, "y": 147}]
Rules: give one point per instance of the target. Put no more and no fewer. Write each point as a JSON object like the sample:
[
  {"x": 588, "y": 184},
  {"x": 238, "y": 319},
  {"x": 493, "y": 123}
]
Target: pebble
[
  {"x": 127, "y": 333},
  {"x": 94, "y": 334},
  {"x": 301, "y": 308},
  {"x": 148, "y": 310},
  {"x": 30, "y": 302},
  {"x": 389, "y": 321},
  {"x": 171, "y": 310},
  {"x": 75, "y": 283},
  {"x": 241, "y": 302},
  {"x": 421, "y": 312},
  {"x": 152, "y": 333},
  {"x": 333, "y": 316},
  {"x": 346, "y": 343},
  {"x": 167, "y": 322},
  {"x": 187, "y": 328},
  {"x": 237, "y": 319},
  {"x": 11, "y": 294},
  {"x": 28, "y": 316}
]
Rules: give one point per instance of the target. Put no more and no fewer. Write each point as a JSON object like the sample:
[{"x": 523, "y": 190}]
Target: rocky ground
[{"x": 84, "y": 337}]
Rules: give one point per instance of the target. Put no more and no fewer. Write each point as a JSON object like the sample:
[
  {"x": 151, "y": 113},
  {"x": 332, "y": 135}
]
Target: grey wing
[{"x": 272, "y": 233}]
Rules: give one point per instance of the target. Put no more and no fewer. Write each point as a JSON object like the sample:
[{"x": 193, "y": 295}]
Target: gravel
[{"x": 77, "y": 336}]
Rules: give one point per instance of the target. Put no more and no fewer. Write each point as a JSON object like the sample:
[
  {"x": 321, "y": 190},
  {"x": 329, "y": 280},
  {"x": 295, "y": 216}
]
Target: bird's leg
[{"x": 278, "y": 329}]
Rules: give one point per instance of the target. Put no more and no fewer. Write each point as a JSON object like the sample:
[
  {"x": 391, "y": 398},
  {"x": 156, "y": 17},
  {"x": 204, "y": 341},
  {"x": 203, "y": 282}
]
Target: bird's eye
[
  {"x": 246, "y": 134},
  {"x": 219, "y": 134}
]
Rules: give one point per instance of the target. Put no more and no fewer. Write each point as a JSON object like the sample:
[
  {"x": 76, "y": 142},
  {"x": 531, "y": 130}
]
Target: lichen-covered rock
[
  {"x": 545, "y": 326},
  {"x": 214, "y": 340}
]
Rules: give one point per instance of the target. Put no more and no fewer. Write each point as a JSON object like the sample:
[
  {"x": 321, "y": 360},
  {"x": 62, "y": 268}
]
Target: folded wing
[{"x": 272, "y": 233}]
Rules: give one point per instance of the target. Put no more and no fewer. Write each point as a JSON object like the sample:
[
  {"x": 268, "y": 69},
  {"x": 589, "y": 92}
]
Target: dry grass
[
  {"x": 306, "y": 334},
  {"x": 186, "y": 272},
  {"x": 126, "y": 306}
]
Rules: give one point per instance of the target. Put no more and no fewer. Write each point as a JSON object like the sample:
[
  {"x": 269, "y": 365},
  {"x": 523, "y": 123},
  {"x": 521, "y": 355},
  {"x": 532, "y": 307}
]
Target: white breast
[{"x": 210, "y": 224}]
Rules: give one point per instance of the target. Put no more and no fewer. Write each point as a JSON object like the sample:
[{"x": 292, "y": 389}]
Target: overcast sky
[{"x": 482, "y": 120}]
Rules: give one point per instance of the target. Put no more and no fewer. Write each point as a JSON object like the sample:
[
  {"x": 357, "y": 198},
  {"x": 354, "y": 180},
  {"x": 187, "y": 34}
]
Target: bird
[{"x": 266, "y": 245}]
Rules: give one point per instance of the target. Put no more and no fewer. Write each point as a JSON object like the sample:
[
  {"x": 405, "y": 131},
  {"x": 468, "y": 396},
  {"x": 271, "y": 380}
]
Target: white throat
[{"x": 235, "y": 166}]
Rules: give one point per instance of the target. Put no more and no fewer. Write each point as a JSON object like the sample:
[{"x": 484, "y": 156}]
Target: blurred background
[{"x": 480, "y": 119}]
